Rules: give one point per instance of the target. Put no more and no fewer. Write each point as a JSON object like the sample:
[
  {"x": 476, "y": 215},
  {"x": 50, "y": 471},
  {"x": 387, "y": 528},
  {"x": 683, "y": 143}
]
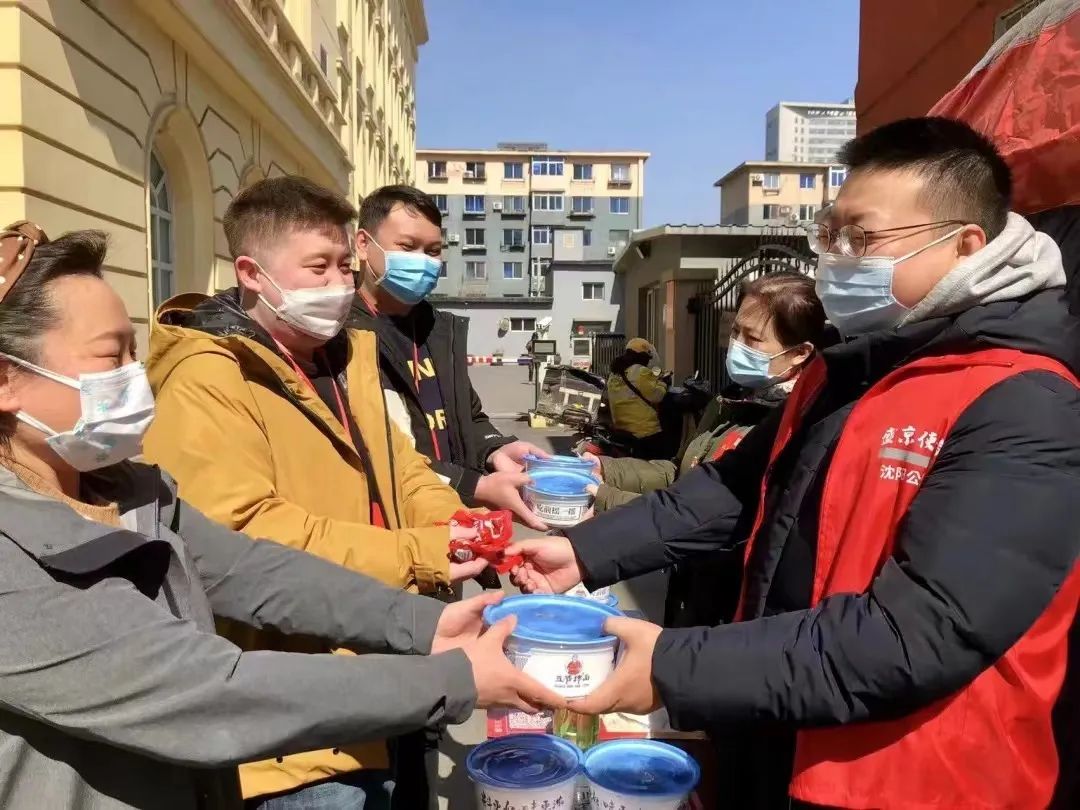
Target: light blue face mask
[
  {"x": 856, "y": 291},
  {"x": 408, "y": 276},
  {"x": 750, "y": 367}
]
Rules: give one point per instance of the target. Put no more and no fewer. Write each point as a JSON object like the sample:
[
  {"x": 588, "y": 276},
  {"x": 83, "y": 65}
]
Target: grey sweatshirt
[{"x": 116, "y": 693}]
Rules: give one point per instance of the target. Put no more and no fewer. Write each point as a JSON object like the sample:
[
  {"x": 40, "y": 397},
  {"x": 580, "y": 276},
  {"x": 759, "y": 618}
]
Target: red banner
[{"x": 1025, "y": 95}]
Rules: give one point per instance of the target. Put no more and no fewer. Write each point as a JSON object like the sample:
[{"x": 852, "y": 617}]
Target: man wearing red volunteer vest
[{"x": 909, "y": 519}]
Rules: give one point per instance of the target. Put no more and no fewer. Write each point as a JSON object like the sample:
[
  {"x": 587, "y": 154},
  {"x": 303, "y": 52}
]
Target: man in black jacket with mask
[{"x": 422, "y": 353}]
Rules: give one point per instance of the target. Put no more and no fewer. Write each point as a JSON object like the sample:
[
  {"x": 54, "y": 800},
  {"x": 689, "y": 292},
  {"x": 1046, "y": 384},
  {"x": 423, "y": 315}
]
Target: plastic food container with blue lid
[
  {"x": 559, "y": 640},
  {"x": 559, "y": 496},
  {"x": 524, "y": 771},
  {"x": 640, "y": 775}
]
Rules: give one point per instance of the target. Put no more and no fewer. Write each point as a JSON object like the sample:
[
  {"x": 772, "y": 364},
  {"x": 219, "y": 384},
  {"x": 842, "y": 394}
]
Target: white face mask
[
  {"x": 318, "y": 312},
  {"x": 116, "y": 406}
]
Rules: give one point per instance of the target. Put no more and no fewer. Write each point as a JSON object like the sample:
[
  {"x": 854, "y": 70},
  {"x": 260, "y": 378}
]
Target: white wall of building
[
  {"x": 808, "y": 132},
  {"x": 569, "y": 307}
]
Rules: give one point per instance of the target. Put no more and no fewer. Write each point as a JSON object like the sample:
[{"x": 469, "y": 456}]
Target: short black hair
[
  {"x": 378, "y": 204},
  {"x": 265, "y": 210},
  {"x": 965, "y": 177}
]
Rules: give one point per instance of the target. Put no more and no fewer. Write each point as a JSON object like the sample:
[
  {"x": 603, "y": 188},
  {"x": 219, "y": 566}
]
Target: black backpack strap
[{"x": 641, "y": 396}]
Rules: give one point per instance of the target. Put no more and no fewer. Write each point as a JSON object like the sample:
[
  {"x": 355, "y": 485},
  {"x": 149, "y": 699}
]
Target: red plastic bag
[{"x": 494, "y": 532}]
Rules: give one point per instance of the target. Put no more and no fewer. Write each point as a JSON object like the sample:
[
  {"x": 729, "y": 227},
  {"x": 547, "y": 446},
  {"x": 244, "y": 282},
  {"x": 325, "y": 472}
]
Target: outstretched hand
[
  {"x": 550, "y": 565},
  {"x": 500, "y": 683},
  {"x": 630, "y": 687},
  {"x": 502, "y": 490},
  {"x": 462, "y": 622}
]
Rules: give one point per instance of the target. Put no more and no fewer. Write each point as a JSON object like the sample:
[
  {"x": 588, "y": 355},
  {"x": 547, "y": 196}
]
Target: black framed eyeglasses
[{"x": 851, "y": 240}]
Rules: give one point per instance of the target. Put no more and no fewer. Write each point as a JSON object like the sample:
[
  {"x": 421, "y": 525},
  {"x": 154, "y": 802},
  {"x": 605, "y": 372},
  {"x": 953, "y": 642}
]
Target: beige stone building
[
  {"x": 145, "y": 117},
  {"x": 777, "y": 193}
]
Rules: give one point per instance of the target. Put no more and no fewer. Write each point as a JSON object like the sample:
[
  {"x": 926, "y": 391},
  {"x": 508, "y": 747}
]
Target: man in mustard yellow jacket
[{"x": 271, "y": 418}]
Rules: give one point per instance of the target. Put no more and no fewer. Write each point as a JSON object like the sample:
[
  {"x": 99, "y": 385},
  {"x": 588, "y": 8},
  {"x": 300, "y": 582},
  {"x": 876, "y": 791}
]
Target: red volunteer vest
[{"x": 991, "y": 744}]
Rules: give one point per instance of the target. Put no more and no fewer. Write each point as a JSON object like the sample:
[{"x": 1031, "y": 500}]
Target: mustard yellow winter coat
[{"x": 253, "y": 447}]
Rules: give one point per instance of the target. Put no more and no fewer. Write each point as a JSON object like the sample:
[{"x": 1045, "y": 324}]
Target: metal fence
[
  {"x": 606, "y": 347},
  {"x": 713, "y": 308}
]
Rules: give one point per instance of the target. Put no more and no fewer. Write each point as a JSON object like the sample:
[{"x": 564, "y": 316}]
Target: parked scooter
[{"x": 679, "y": 413}]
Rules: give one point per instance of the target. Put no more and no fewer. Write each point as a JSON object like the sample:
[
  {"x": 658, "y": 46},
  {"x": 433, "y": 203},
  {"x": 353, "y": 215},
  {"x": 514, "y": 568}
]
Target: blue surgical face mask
[
  {"x": 407, "y": 276},
  {"x": 856, "y": 291},
  {"x": 750, "y": 367}
]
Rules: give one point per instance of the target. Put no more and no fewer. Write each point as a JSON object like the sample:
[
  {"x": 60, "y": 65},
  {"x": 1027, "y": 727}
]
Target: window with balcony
[
  {"x": 513, "y": 271},
  {"x": 807, "y": 180},
  {"x": 513, "y": 204},
  {"x": 513, "y": 171},
  {"x": 547, "y": 202},
  {"x": 476, "y": 271},
  {"x": 619, "y": 205},
  {"x": 513, "y": 237},
  {"x": 581, "y": 205},
  {"x": 436, "y": 170},
  {"x": 620, "y": 173},
  {"x": 475, "y": 170},
  {"x": 474, "y": 237},
  {"x": 583, "y": 171},
  {"x": 592, "y": 291},
  {"x": 541, "y": 236},
  {"x": 548, "y": 166},
  {"x": 440, "y": 203},
  {"x": 771, "y": 181},
  {"x": 474, "y": 203}
]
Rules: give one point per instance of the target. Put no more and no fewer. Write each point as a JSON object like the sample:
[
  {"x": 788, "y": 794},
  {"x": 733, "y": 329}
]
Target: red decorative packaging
[{"x": 494, "y": 532}]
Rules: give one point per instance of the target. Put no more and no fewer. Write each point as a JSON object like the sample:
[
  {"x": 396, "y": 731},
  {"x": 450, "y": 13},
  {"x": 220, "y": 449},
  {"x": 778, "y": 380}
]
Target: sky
[{"x": 689, "y": 81}]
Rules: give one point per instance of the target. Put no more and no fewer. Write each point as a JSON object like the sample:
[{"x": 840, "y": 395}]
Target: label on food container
[
  {"x": 556, "y": 512},
  {"x": 568, "y": 673}
]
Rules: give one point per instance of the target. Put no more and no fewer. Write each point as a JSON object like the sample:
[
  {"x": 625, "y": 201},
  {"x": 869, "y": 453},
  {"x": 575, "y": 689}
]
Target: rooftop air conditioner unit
[
  {"x": 454, "y": 238},
  {"x": 496, "y": 206},
  {"x": 612, "y": 250}
]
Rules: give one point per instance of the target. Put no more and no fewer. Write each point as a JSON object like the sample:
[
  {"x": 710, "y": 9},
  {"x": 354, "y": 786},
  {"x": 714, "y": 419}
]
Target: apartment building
[
  {"x": 808, "y": 132},
  {"x": 777, "y": 193},
  {"x": 144, "y": 118},
  {"x": 504, "y": 208}
]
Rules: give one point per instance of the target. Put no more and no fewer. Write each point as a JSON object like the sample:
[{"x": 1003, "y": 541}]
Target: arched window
[{"x": 162, "y": 268}]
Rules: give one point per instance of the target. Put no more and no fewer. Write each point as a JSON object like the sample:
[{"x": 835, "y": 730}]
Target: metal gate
[
  {"x": 713, "y": 308},
  {"x": 606, "y": 347}
]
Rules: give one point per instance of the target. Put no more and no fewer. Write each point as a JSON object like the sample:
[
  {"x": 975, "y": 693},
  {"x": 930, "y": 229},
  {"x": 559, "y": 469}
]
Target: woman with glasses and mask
[
  {"x": 116, "y": 691},
  {"x": 779, "y": 324}
]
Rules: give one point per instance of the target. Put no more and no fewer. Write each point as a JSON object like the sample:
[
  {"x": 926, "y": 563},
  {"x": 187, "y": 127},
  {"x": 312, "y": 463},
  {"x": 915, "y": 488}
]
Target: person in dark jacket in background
[
  {"x": 912, "y": 571},
  {"x": 422, "y": 353},
  {"x": 426, "y": 385},
  {"x": 779, "y": 324}
]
